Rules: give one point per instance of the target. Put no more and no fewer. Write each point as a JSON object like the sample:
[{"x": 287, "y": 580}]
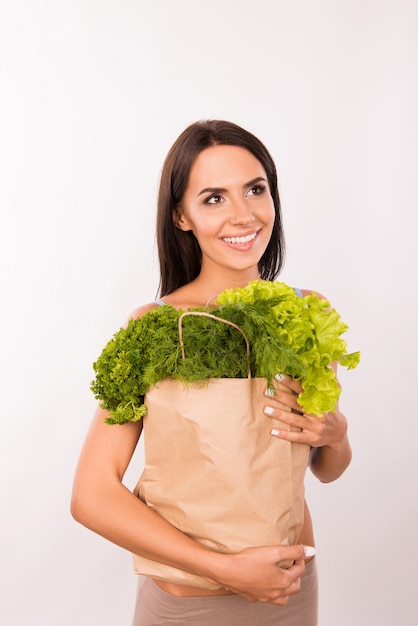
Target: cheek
[
  {"x": 207, "y": 225},
  {"x": 270, "y": 216},
  {"x": 269, "y": 222}
]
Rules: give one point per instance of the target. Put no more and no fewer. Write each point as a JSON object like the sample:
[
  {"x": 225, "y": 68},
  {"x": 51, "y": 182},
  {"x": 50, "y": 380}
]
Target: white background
[{"x": 92, "y": 94}]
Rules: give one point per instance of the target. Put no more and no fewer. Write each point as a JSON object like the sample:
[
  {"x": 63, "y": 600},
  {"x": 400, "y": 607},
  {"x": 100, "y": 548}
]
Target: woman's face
[{"x": 228, "y": 206}]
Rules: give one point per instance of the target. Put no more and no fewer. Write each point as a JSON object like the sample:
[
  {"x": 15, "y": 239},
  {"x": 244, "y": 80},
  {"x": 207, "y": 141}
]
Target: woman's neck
[{"x": 206, "y": 287}]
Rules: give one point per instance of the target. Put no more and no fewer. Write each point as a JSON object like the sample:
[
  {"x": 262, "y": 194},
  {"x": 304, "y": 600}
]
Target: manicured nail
[
  {"x": 270, "y": 392},
  {"x": 280, "y": 377},
  {"x": 268, "y": 410},
  {"x": 309, "y": 551},
  {"x": 275, "y": 432}
]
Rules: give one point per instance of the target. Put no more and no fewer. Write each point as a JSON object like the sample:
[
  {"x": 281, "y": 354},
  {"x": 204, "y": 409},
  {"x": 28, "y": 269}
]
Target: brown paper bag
[{"x": 213, "y": 470}]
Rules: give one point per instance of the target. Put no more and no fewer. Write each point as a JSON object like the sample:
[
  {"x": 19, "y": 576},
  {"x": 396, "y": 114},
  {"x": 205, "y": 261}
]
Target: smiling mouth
[{"x": 245, "y": 239}]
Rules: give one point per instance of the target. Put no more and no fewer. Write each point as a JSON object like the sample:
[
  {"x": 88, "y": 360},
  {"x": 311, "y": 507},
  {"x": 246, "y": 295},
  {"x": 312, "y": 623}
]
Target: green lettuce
[{"x": 286, "y": 334}]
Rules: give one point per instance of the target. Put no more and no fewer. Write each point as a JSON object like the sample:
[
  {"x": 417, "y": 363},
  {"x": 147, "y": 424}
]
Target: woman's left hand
[{"x": 328, "y": 430}]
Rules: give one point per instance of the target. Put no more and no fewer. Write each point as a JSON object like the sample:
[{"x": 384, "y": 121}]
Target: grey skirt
[{"x": 155, "y": 607}]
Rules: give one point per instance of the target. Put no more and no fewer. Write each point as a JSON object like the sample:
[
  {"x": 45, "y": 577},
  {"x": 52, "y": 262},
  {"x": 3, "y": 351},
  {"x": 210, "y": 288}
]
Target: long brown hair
[{"x": 179, "y": 253}]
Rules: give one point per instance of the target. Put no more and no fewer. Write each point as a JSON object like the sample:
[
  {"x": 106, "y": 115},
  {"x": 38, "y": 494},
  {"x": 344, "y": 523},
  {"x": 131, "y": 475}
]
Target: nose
[{"x": 241, "y": 212}]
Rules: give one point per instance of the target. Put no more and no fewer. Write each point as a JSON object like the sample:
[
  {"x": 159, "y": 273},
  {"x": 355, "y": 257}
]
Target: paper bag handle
[{"x": 219, "y": 319}]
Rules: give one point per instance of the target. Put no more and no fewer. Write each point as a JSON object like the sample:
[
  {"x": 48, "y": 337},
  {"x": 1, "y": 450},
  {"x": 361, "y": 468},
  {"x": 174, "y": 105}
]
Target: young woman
[{"x": 218, "y": 227}]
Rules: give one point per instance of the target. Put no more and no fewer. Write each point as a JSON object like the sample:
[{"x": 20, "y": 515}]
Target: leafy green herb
[{"x": 288, "y": 334}]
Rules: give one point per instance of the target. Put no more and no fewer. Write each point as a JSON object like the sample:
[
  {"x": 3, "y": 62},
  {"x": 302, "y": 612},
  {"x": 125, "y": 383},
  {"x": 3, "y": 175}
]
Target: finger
[
  {"x": 293, "y": 588},
  {"x": 298, "y": 567},
  {"x": 294, "y": 553},
  {"x": 294, "y": 419},
  {"x": 287, "y": 383},
  {"x": 309, "y": 552},
  {"x": 281, "y": 595},
  {"x": 292, "y": 436},
  {"x": 281, "y": 403},
  {"x": 285, "y": 399}
]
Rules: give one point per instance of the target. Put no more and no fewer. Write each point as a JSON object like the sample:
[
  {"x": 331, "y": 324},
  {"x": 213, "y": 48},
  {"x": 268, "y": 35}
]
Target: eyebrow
[{"x": 254, "y": 181}]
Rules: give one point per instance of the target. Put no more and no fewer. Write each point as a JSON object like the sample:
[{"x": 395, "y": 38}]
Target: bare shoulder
[
  {"x": 309, "y": 292},
  {"x": 141, "y": 310}
]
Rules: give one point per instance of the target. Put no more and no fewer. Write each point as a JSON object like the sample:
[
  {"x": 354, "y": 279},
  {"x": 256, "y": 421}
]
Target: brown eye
[
  {"x": 214, "y": 199},
  {"x": 256, "y": 190}
]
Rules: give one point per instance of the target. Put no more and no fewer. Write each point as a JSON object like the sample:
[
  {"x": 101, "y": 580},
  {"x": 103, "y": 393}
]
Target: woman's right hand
[{"x": 255, "y": 573}]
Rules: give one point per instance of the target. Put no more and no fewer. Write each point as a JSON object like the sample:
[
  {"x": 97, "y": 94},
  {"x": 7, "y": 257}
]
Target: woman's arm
[
  {"x": 330, "y": 459},
  {"x": 327, "y": 435},
  {"x": 102, "y": 503}
]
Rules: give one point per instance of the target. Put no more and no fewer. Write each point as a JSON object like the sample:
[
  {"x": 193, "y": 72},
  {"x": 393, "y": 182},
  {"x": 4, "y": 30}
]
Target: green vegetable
[{"x": 286, "y": 333}]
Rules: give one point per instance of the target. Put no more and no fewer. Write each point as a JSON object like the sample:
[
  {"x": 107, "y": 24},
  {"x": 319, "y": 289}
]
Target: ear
[{"x": 180, "y": 220}]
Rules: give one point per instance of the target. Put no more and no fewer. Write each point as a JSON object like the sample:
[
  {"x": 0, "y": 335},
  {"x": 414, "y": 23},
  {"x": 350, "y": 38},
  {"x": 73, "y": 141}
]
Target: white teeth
[{"x": 240, "y": 239}]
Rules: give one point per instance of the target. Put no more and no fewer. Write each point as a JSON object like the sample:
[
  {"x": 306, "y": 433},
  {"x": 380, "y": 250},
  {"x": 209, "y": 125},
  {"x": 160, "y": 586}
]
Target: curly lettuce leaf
[{"x": 311, "y": 329}]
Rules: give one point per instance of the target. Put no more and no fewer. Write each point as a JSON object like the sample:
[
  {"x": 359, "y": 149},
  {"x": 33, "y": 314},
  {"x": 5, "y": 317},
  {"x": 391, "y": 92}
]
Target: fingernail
[
  {"x": 270, "y": 392},
  {"x": 275, "y": 432},
  {"x": 280, "y": 377},
  {"x": 309, "y": 551},
  {"x": 268, "y": 410}
]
